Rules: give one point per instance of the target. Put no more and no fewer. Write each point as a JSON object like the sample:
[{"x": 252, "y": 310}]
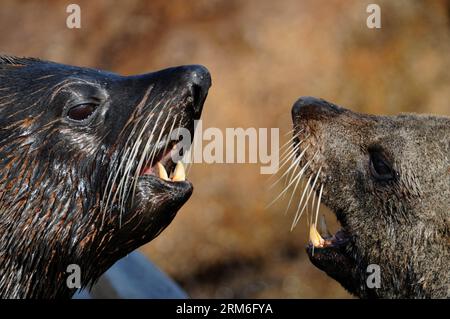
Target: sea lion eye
[
  {"x": 81, "y": 112},
  {"x": 380, "y": 168}
]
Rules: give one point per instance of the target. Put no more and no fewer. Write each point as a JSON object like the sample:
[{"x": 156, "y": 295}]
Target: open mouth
[
  {"x": 163, "y": 166},
  {"x": 153, "y": 176},
  {"x": 326, "y": 240},
  {"x": 329, "y": 252},
  {"x": 320, "y": 239},
  {"x": 146, "y": 177}
]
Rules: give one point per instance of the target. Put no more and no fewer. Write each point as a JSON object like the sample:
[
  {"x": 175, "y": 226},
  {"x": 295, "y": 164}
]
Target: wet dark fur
[
  {"x": 53, "y": 171},
  {"x": 402, "y": 224}
]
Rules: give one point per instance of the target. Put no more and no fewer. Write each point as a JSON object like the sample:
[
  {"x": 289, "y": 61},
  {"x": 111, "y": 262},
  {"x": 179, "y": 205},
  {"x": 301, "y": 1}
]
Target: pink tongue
[{"x": 147, "y": 171}]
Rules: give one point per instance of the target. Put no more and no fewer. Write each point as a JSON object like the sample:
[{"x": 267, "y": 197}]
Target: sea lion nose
[
  {"x": 193, "y": 80},
  {"x": 198, "y": 80},
  {"x": 310, "y": 106}
]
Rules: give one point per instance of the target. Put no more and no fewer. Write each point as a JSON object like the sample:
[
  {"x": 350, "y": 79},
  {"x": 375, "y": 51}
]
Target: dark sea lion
[
  {"x": 84, "y": 156},
  {"x": 387, "y": 180}
]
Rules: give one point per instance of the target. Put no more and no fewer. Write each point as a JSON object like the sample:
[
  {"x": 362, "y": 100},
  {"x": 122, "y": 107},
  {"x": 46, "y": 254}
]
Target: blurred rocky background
[{"x": 262, "y": 54}]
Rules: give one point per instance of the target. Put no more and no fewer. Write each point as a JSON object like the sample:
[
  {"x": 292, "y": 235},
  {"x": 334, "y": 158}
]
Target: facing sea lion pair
[{"x": 85, "y": 178}]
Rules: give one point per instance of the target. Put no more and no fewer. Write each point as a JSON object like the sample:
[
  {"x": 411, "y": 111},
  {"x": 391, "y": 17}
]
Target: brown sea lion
[{"x": 387, "y": 180}]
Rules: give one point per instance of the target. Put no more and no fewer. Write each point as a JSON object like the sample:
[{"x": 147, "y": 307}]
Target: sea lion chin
[
  {"x": 386, "y": 179},
  {"x": 86, "y": 170}
]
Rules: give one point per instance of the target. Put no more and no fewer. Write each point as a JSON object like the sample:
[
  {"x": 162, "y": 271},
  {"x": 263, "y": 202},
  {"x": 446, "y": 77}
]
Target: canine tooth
[
  {"x": 162, "y": 172},
  {"x": 315, "y": 237},
  {"x": 179, "y": 174},
  {"x": 323, "y": 227}
]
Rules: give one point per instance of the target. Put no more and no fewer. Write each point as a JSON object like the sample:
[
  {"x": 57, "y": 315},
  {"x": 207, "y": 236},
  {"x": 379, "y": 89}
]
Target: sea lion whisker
[
  {"x": 294, "y": 150},
  {"x": 289, "y": 141},
  {"x": 291, "y": 156},
  {"x": 112, "y": 182},
  {"x": 127, "y": 166},
  {"x": 300, "y": 174},
  {"x": 169, "y": 135},
  {"x": 305, "y": 191},
  {"x": 190, "y": 164},
  {"x": 291, "y": 131},
  {"x": 287, "y": 151},
  {"x": 292, "y": 172},
  {"x": 290, "y": 160},
  {"x": 282, "y": 192},
  {"x": 123, "y": 157},
  {"x": 152, "y": 154},
  {"x": 145, "y": 154},
  {"x": 295, "y": 162},
  {"x": 317, "y": 212},
  {"x": 287, "y": 154},
  {"x": 303, "y": 168},
  {"x": 312, "y": 202},
  {"x": 132, "y": 119},
  {"x": 309, "y": 194},
  {"x": 298, "y": 178},
  {"x": 319, "y": 199},
  {"x": 123, "y": 183},
  {"x": 111, "y": 179},
  {"x": 313, "y": 207}
]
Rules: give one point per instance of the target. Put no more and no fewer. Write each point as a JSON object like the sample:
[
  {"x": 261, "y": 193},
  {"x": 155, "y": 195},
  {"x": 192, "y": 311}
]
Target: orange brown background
[{"x": 262, "y": 54}]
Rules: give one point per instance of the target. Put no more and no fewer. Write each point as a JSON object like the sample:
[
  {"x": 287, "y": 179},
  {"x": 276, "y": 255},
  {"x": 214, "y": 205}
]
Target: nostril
[
  {"x": 199, "y": 75},
  {"x": 199, "y": 83},
  {"x": 197, "y": 94}
]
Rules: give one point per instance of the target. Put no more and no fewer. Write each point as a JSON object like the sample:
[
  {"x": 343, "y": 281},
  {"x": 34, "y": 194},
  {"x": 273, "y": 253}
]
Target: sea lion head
[
  {"x": 85, "y": 167},
  {"x": 387, "y": 180}
]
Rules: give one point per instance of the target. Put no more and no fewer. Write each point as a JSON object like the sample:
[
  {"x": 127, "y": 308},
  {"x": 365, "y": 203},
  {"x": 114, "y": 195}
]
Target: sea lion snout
[
  {"x": 194, "y": 79},
  {"x": 198, "y": 80},
  {"x": 308, "y": 106}
]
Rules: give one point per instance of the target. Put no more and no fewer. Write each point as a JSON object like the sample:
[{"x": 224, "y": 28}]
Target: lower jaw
[
  {"x": 155, "y": 205},
  {"x": 323, "y": 239},
  {"x": 329, "y": 252},
  {"x": 152, "y": 189},
  {"x": 333, "y": 259}
]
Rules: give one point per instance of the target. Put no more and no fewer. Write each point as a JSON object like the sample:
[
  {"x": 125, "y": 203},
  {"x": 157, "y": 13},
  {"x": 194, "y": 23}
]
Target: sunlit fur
[
  {"x": 70, "y": 193},
  {"x": 402, "y": 224}
]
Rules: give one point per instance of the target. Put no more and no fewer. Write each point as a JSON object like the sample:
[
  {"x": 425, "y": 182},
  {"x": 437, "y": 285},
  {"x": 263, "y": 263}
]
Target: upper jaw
[
  {"x": 161, "y": 179},
  {"x": 319, "y": 236},
  {"x": 328, "y": 252},
  {"x": 334, "y": 254}
]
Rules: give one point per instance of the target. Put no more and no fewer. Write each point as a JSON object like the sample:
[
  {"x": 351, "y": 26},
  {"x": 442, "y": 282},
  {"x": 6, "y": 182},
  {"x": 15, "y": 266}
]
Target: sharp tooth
[
  {"x": 179, "y": 174},
  {"x": 315, "y": 237},
  {"x": 323, "y": 227},
  {"x": 162, "y": 172}
]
